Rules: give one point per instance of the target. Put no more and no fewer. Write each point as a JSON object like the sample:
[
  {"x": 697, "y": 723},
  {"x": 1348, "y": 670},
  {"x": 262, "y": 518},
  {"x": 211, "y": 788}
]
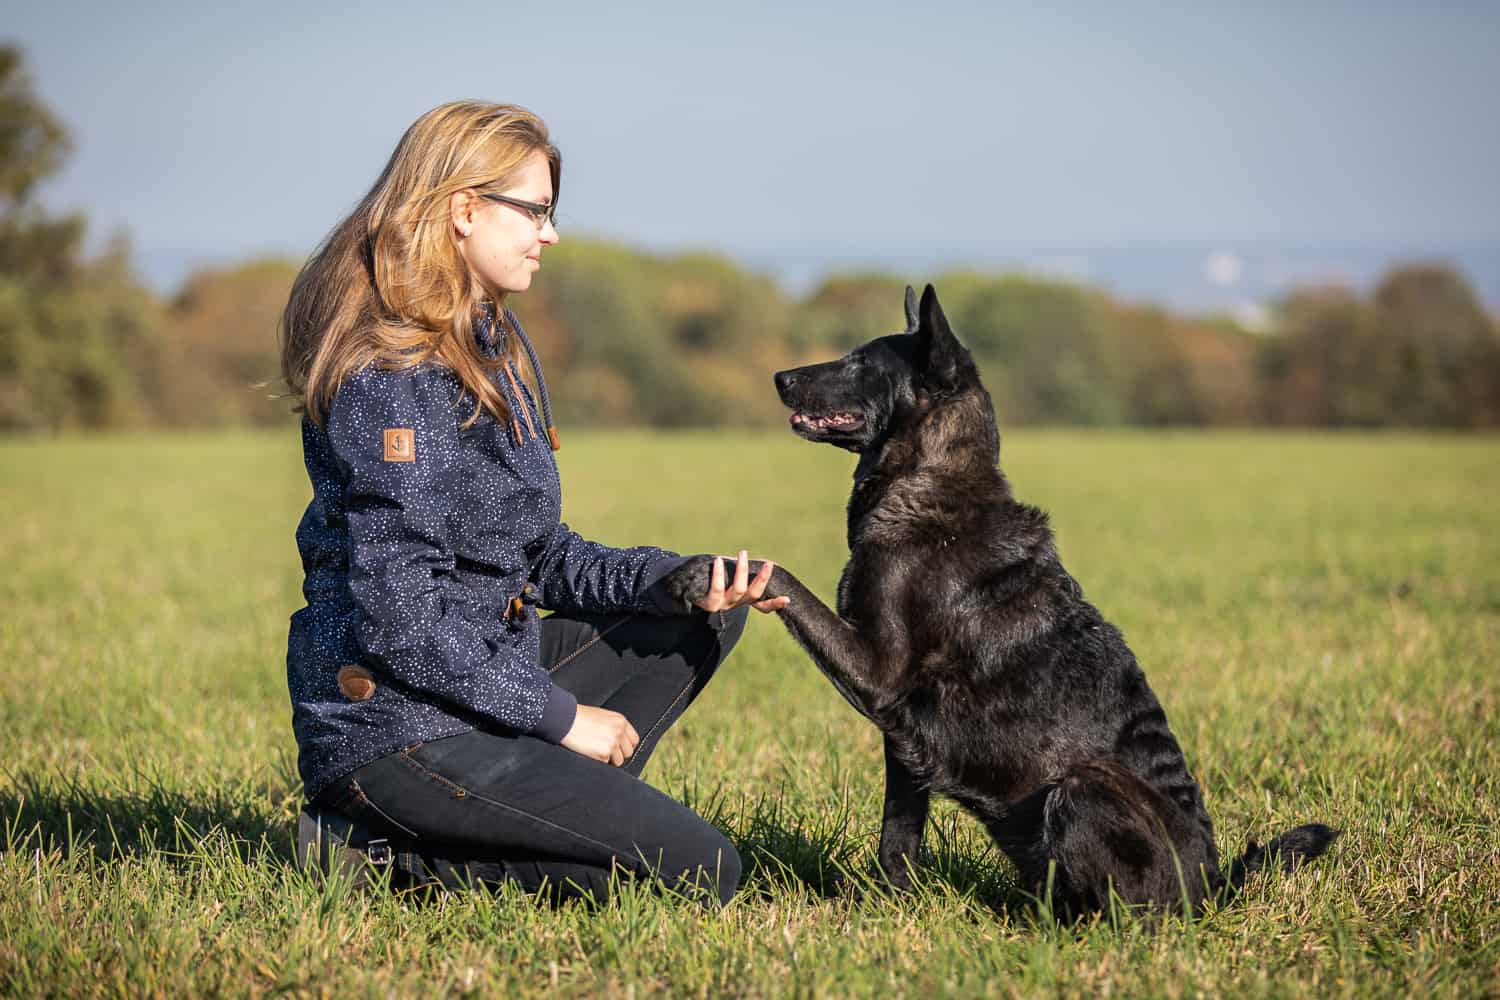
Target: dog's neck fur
[{"x": 944, "y": 439}]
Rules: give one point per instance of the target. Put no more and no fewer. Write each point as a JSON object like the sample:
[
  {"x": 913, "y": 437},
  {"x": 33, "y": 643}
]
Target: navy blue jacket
[{"x": 413, "y": 547}]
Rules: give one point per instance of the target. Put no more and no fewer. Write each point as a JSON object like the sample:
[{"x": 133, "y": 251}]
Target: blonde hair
[{"x": 389, "y": 286}]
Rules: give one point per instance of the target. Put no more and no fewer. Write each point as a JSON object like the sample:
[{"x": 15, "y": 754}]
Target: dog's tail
[{"x": 1291, "y": 849}]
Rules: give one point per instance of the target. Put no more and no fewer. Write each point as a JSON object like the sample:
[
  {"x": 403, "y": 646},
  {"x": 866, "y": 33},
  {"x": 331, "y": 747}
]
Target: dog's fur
[{"x": 961, "y": 636}]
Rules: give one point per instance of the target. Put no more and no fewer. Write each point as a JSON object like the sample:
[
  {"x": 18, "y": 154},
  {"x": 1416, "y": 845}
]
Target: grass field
[{"x": 1320, "y": 616}]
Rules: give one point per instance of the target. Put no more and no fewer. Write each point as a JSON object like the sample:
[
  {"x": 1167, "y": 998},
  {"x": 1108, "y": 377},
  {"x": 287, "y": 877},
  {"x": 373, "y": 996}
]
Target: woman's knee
[
  {"x": 708, "y": 638},
  {"x": 730, "y": 869},
  {"x": 716, "y": 870}
]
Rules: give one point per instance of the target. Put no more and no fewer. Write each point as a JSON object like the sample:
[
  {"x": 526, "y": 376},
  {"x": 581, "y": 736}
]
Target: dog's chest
[
  {"x": 862, "y": 588},
  {"x": 845, "y": 586}
]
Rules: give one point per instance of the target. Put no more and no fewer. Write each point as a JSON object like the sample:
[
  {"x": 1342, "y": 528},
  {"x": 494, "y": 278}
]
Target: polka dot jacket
[{"x": 425, "y": 550}]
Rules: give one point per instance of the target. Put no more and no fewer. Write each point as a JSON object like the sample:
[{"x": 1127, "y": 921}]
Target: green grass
[{"x": 1319, "y": 614}]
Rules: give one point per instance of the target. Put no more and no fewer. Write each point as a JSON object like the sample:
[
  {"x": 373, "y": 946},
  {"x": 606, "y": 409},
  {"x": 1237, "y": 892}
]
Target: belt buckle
[{"x": 378, "y": 852}]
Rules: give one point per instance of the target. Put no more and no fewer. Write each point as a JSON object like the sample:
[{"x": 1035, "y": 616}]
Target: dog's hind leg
[
  {"x": 906, "y": 804},
  {"x": 1099, "y": 830},
  {"x": 1108, "y": 831}
]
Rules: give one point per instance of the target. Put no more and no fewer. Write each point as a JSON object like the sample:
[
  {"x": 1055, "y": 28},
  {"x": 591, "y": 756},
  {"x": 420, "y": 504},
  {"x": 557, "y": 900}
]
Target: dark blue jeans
[{"x": 490, "y": 806}]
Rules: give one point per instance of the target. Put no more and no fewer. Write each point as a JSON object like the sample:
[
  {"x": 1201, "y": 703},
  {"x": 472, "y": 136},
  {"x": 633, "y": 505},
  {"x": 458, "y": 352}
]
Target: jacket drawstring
[
  {"x": 541, "y": 383},
  {"x": 515, "y": 387}
]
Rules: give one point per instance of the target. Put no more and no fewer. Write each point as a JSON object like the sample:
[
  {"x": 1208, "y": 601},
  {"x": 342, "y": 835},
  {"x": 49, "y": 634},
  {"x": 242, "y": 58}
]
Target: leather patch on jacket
[
  {"x": 400, "y": 444},
  {"x": 356, "y": 683}
]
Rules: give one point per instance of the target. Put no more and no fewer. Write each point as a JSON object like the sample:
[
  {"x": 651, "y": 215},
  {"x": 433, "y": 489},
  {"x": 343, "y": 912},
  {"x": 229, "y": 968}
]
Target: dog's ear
[
  {"x": 911, "y": 310},
  {"x": 939, "y": 354}
]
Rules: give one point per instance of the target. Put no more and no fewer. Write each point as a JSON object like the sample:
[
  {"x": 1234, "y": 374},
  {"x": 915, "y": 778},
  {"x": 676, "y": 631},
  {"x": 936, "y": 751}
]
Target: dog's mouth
[{"x": 843, "y": 420}]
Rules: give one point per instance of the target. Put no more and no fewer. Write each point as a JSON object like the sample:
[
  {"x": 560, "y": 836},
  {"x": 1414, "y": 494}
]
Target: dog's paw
[
  {"x": 896, "y": 873},
  {"x": 690, "y": 582}
]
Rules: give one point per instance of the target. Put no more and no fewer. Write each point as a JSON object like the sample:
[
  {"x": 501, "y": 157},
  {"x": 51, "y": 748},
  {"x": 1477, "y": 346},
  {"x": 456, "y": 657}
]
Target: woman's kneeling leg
[{"x": 542, "y": 811}]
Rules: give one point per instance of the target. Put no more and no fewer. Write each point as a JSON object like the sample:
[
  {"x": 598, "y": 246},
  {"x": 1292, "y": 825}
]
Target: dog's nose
[{"x": 785, "y": 381}]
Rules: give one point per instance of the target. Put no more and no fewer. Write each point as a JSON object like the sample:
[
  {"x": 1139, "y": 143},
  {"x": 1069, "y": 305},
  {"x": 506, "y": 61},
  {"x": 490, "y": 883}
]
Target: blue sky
[{"x": 798, "y": 136}]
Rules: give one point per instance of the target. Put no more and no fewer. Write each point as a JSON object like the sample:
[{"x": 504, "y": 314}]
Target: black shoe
[{"x": 329, "y": 843}]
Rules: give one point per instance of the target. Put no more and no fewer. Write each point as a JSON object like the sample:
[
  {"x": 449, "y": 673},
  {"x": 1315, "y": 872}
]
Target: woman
[{"x": 430, "y": 703}]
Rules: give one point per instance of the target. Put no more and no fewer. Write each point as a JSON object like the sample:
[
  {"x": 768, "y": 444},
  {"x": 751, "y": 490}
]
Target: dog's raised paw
[{"x": 690, "y": 582}]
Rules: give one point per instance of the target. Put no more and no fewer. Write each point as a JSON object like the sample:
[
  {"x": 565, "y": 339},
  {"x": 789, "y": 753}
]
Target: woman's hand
[
  {"x": 743, "y": 590},
  {"x": 603, "y": 735}
]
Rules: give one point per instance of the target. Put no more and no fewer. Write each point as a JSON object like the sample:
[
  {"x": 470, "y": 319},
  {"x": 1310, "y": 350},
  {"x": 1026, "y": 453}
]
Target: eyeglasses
[{"x": 540, "y": 214}]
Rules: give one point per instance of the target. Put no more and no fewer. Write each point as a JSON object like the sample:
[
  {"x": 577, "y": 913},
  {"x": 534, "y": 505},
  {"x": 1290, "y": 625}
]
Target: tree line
[{"x": 687, "y": 340}]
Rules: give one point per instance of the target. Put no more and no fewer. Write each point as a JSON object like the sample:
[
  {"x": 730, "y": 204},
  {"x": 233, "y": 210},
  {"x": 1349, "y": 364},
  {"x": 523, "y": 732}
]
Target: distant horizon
[{"x": 1196, "y": 277}]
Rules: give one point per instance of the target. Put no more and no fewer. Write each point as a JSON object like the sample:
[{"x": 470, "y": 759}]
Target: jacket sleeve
[
  {"x": 394, "y": 435},
  {"x": 573, "y": 573}
]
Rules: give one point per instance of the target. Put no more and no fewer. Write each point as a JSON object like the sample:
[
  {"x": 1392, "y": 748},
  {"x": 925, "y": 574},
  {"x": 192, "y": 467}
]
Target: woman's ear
[{"x": 461, "y": 206}]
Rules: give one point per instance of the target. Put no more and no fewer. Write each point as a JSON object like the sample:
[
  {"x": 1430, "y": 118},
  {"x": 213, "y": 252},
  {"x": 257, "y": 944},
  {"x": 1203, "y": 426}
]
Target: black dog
[{"x": 960, "y": 635}]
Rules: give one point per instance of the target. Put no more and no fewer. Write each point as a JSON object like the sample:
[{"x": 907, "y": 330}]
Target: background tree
[
  {"x": 1437, "y": 351},
  {"x": 72, "y": 330},
  {"x": 1419, "y": 352},
  {"x": 220, "y": 333},
  {"x": 1316, "y": 370},
  {"x": 1048, "y": 350},
  {"x": 847, "y": 310}
]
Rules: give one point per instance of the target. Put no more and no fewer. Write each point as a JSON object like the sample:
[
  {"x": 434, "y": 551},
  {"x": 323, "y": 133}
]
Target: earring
[{"x": 464, "y": 232}]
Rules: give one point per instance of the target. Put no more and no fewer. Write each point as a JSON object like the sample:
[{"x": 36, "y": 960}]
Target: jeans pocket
[{"x": 364, "y": 809}]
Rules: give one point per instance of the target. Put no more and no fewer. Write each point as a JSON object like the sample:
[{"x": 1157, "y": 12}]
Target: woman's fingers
[
  {"x": 626, "y": 740},
  {"x": 772, "y": 605},
  {"x": 714, "y": 599},
  {"x": 726, "y": 594},
  {"x": 757, "y": 588},
  {"x": 603, "y": 735},
  {"x": 736, "y": 593}
]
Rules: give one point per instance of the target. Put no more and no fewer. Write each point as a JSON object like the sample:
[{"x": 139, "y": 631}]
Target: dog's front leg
[
  {"x": 905, "y": 817},
  {"x": 845, "y": 656}
]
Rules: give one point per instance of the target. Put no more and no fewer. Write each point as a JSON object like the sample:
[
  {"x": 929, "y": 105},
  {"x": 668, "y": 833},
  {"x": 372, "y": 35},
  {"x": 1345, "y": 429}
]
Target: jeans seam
[
  {"x": 476, "y": 797},
  {"x": 697, "y": 672},
  {"x": 597, "y": 636},
  {"x": 666, "y": 711}
]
